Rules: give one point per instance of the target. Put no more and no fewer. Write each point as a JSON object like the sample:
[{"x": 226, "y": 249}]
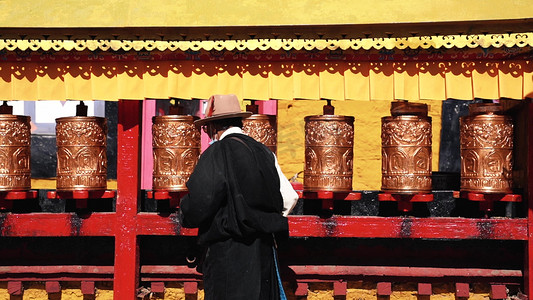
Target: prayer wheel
[
  {"x": 15, "y": 141},
  {"x": 81, "y": 152},
  {"x": 406, "y": 149},
  {"x": 176, "y": 145},
  {"x": 486, "y": 149},
  {"x": 262, "y": 128},
  {"x": 328, "y": 152}
]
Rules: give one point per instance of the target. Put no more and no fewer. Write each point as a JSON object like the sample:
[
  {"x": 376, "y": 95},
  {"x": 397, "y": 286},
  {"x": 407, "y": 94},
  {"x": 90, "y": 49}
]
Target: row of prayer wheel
[
  {"x": 486, "y": 149},
  {"x": 486, "y": 137},
  {"x": 81, "y": 151}
]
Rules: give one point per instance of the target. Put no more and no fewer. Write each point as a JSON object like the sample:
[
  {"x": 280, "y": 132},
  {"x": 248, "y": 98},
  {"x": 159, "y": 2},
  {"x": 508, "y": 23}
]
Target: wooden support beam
[
  {"x": 301, "y": 289},
  {"x": 87, "y": 287},
  {"x": 498, "y": 291},
  {"x": 340, "y": 287},
  {"x": 462, "y": 290},
  {"x": 15, "y": 288},
  {"x": 190, "y": 287},
  {"x": 384, "y": 288},
  {"x": 157, "y": 287},
  {"x": 424, "y": 289},
  {"x": 52, "y": 287}
]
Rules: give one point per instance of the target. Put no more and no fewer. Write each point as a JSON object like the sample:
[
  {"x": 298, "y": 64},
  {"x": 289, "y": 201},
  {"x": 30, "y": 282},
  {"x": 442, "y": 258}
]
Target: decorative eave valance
[{"x": 508, "y": 40}]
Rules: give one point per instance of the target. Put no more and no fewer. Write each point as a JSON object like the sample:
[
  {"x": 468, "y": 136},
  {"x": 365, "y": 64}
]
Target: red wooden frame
[
  {"x": 127, "y": 224},
  {"x": 128, "y": 188}
]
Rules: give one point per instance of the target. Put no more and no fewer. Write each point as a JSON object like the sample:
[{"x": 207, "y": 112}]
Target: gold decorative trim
[{"x": 424, "y": 42}]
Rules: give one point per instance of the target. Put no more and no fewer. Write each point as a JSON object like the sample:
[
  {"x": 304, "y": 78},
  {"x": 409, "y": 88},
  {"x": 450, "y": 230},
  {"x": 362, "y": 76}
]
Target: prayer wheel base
[
  {"x": 405, "y": 201},
  {"x": 486, "y": 200},
  {"x": 173, "y": 197},
  {"x": 80, "y": 197},
  {"x": 7, "y": 198}
]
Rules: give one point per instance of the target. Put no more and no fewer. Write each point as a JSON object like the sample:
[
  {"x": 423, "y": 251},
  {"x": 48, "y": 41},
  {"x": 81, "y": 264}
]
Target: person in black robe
[{"x": 235, "y": 199}]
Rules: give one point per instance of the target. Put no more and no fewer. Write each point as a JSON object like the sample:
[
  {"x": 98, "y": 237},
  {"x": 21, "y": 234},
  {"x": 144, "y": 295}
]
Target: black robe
[{"x": 234, "y": 199}]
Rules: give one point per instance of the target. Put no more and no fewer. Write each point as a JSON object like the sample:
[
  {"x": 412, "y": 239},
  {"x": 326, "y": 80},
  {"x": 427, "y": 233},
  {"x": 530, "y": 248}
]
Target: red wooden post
[
  {"x": 190, "y": 287},
  {"x": 424, "y": 289},
  {"x": 126, "y": 277},
  {"x": 384, "y": 288},
  {"x": 52, "y": 287},
  {"x": 87, "y": 287},
  {"x": 462, "y": 290},
  {"x": 301, "y": 289},
  {"x": 498, "y": 291},
  {"x": 157, "y": 287},
  {"x": 340, "y": 287},
  {"x": 15, "y": 288}
]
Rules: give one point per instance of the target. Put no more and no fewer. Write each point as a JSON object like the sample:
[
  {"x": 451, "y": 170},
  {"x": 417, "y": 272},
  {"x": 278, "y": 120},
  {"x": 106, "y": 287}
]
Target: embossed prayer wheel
[
  {"x": 406, "y": 149},
  {"x": 328, "y": 152},
  {"x": 81, "y": 153},
  {"x": 15, "y": 173},
  {"x": 486, "y": 149},
  {"x": 176, "y": 145},
  {"x": 263, "y": 128}
]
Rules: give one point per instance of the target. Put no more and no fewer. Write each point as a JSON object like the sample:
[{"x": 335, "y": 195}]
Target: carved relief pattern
[
  {"x": 15, "y": 172},
  {"x": 329, "y": 153},
  {"x": 486, "y": 153},
  {"x": 176, "y": 145},
  {"x": 262, "y": 129},
  {"x": 406, "y": 154},
  {"x": 81, "y": 153},
  {"x": 406, "y": 130},
  {"x": 78, "y": 131}
]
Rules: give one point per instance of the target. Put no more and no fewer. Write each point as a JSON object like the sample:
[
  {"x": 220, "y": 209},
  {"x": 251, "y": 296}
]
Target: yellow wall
[
  {"x": 127, "y": 13},
  {"x": 367, "y": 136}
]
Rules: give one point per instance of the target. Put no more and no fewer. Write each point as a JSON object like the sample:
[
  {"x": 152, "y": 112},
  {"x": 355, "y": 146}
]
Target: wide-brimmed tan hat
[{"x": 222, "y": 107}]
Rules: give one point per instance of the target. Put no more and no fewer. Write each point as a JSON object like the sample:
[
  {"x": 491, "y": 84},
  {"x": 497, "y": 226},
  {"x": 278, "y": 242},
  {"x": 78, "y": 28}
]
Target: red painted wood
[
  {"x": 405, "y": 201},
  {"x": 52, "y": 287},
  {"x": 157, "y": 287},
  {"x": 15, "y": 288},
  {"x": 301, "y": 289},
  {"x": 462, "y": 290},
  {"x": 498, "y": 291},
  {"x": 81, "y": 194},
  {"x": 155, "y": 224},
  {"x": 367, "y": 227},
  {"x": 384, "y": 288},
  {"x": 491, "y": 197},
  {"x": 57, "y": 224},
  {"x": 329, "y": 195},
  {"x": 173, "y": 197},
  {"x": 310, "y": 271},
  {"x": 18, "y": 195},
  {"x": 339, "y": 288},
  {"x": 424, "y": 289},
  {"x": 126, "y": 277},
  {"x": 190, "y": 287},
  {"x": 401, "y": 227},
  {"x": 87, "y": 287}
]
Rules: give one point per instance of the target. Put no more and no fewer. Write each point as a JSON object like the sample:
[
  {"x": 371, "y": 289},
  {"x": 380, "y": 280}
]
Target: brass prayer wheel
[
  {"x": 406, "y": 149},
  {"x": 486, "y": 149},
  {"x": 81, "y": 153},
  {"x": 328, "y": 152},
  {"x": 176, "y": 145},
  {"x": 15, "y": 141},
  {"x": 262, "y": 128}
]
